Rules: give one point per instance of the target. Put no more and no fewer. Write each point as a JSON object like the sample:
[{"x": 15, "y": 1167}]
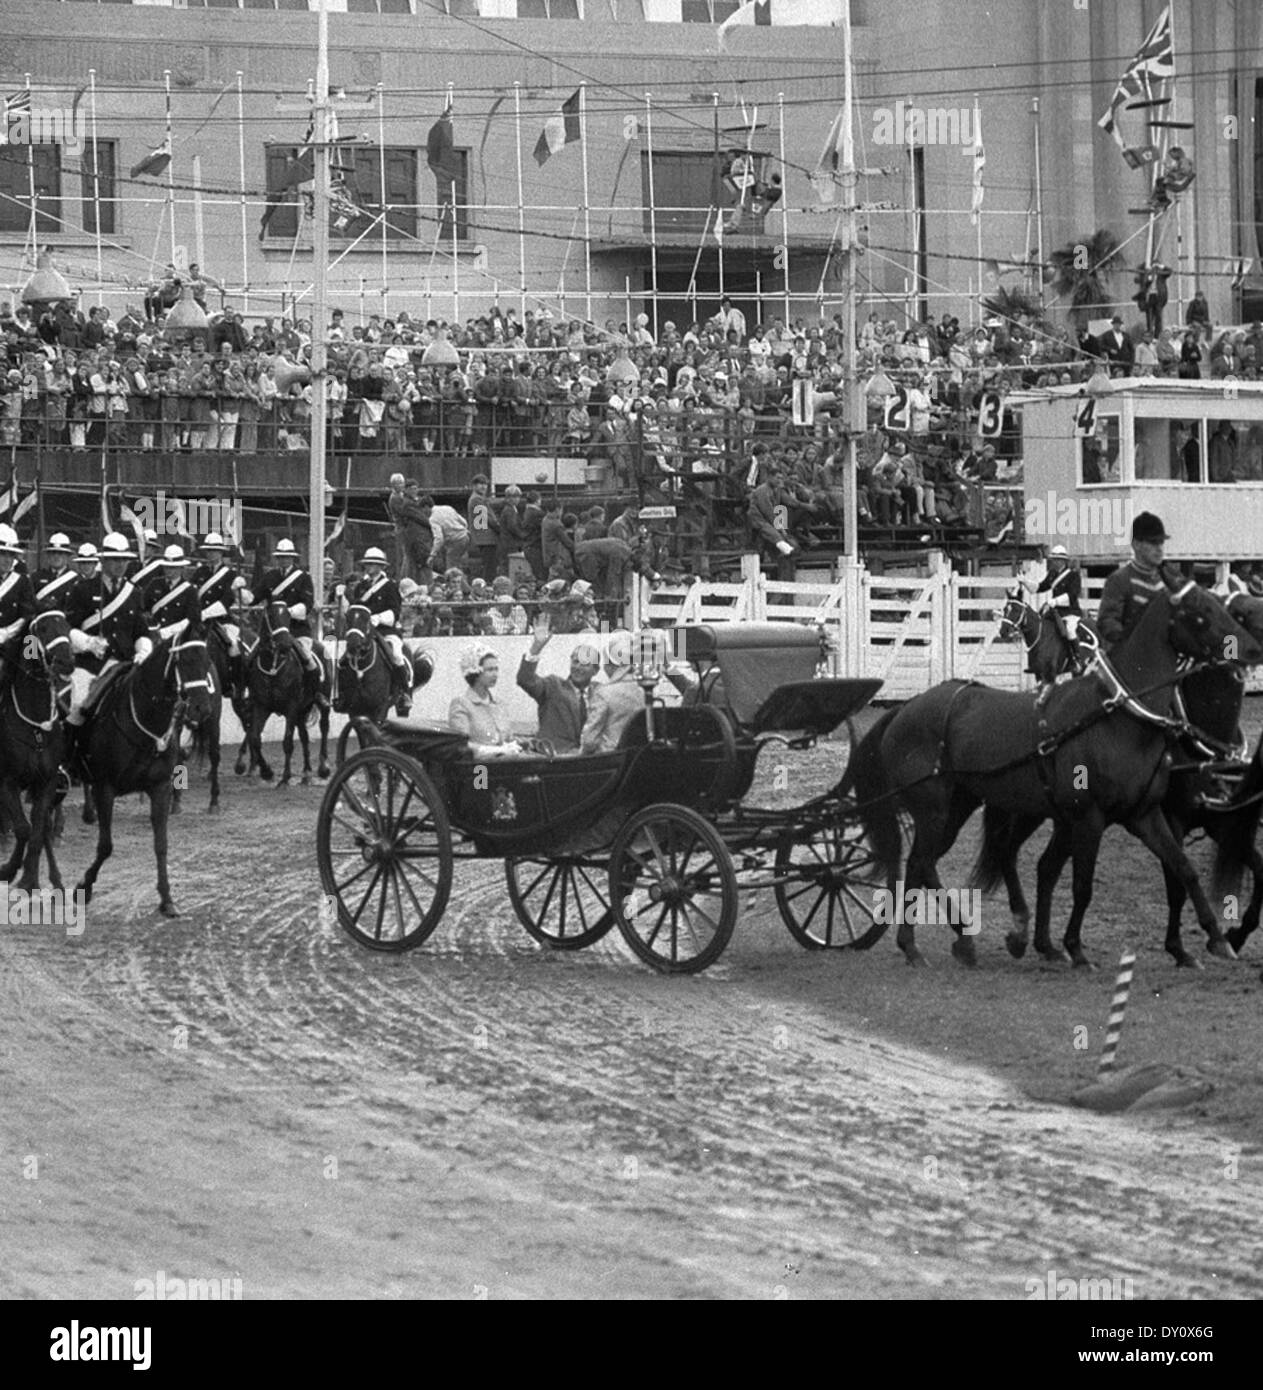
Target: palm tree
[{"x": 1080, "y": 271}]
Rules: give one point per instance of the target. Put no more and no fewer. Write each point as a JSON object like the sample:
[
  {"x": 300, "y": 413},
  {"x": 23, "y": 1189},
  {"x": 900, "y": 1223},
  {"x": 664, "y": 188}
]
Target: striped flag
[
  {"x": 980, "y": 163},
  {"x": 560, "y": 130},
  {"x": 19, "y": 104},
  {"x": 25, "y": 505},
  {"x": 1154, "y": 62}
]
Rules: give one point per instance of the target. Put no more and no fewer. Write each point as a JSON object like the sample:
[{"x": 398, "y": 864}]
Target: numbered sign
[
  {"x": 804, "y": 401},
  {"x": 990, "y": 414},
  {"x": 898, "y": 414},
  {"x": 1085, "y": 419}
]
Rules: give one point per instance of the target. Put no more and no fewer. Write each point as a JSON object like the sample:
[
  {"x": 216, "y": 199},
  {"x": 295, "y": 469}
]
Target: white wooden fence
[{"x": 909, "y": 633}]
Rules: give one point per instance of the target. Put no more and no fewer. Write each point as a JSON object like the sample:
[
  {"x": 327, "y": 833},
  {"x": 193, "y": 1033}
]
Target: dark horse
[
  {"x": 131, "y": 743},
  {"x": 206, "y": 735},
  {"x": 365, "y": 677},
  {"x": 33, "y": 743},
  {"x": 1048, "y": 653},
  {"x": 281, "y": 684},
  {"x": 1094, "y": 754}
]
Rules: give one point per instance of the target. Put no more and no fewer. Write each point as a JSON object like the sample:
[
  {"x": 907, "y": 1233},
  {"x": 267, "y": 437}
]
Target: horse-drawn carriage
[{"x": 654, "y": 837}]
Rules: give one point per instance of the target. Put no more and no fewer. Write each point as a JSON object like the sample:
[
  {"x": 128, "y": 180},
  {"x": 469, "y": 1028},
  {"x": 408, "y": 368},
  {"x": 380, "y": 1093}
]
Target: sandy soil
[{"x": 245, "y": 1092}]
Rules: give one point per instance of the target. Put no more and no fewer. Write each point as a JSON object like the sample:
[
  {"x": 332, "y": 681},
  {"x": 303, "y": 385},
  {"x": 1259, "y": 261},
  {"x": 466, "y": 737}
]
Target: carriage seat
[
  {"x": 426, "y": 742},
  {"x": 754, "y": 659}
]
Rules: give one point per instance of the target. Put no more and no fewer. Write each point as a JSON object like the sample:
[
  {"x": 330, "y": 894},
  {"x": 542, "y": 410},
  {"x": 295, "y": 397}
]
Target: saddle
[{"x": 104, "y": 683}]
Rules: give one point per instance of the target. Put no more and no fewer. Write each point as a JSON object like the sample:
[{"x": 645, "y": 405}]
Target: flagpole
[
  {"x": 96, "y": 186},
  {"x": 587, "y": 207},
  {"x": 857, "y": 407},
  {"x": 198, "y": 228},
  {"x": 166, "y": 77},
  {"x": 653, "y": 217},
  {"x": 1039, "y": 205},
  {"x": 30, "y": 169},
  {"x": 241, "y": 174},
  {"x": 451, "y": 87},
  {"x": 780, "y": 120},
  {"x": 381, "y": 159},
  {"x": 975, "y": 190},
  {"x": 715, "y": 183},
  {"x": 319, "y": 326},
  {"x": 521, "y": 205}
]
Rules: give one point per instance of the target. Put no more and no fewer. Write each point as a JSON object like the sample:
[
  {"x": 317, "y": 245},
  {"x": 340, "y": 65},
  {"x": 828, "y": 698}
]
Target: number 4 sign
[{"x": 1085, "y": 419}]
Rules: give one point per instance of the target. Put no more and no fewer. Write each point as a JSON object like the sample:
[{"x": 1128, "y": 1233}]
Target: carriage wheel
[
  {"x": 384, "y": 847},
  {"x": 561, "y": 902},
  {"x": 826, "y": 898},
  {"x": 363, "y": 731},
  {"x": 674, "y": 889}
]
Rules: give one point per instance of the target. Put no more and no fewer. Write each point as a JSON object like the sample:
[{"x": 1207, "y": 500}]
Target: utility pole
[{"x": 857, "y": 409}]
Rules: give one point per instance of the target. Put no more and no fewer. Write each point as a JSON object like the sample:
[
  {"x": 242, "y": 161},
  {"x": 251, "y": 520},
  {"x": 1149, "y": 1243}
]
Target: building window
[
  {"x": 15, "y": 188},
  {"x": 707, "y": 11},
  {"x": 453, "y": 195},
  {"x": 358, "y": 168},
  {"x": 98, "y": 165}
]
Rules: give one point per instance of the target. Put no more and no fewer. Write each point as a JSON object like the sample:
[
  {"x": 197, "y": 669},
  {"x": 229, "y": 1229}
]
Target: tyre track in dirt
[{"x": 730, "y": 1133}]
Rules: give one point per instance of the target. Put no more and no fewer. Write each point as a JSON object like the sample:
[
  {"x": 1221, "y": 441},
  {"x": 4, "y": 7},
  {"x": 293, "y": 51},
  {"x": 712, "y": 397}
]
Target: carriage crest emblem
[{"x": 503, "y": 806}]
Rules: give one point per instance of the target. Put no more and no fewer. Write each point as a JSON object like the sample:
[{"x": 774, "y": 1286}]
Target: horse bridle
[
  {"x": 361, "y": 668},
  {"x": 56, "y": 688},
  {"x": 182, "y": 686},
  {"x": 1018, "y": 625}
]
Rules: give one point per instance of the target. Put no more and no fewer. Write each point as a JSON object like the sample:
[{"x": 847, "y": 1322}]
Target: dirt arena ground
[{"x": 247, "y": 1093}]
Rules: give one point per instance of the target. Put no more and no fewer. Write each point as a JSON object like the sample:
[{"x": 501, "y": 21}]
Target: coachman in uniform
[
  {"x": 17, "y": 601},
  {"x": 107, "y": 624},
  {"x": 1133, "y": 586}
]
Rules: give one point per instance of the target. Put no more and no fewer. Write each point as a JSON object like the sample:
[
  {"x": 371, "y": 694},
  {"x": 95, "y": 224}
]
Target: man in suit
[
  {"x": 562, "y": 700},
  {"x": 1115, "y": 346},
  {"x": 616, "y": 701}
]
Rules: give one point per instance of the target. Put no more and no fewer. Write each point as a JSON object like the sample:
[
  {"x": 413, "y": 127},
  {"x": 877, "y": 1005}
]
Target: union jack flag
[{"x": 1154, "y": 63}]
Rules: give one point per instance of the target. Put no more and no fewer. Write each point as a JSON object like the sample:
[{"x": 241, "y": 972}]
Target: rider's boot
[{"x": 403, "y": 696}]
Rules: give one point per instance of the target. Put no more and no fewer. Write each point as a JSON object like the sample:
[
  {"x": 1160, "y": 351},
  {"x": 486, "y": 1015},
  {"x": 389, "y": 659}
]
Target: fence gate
[
  {"x": 978, "y": 651},
  {"x": 903, "y": 635}
]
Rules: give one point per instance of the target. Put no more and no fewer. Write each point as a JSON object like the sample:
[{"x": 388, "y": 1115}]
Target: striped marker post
[{"x": 1118, "y": 1008}]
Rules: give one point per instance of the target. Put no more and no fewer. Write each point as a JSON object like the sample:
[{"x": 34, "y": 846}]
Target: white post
[
  {"x": 719, "y": 212},
  {"x": 199, "y": 237},
  {"x": 30, "y": 175},
  {"x": 1039, "y": 206},
  {"x": 319, "y": 326},
  {"x": 521, "y": 205},
  {"x": 587, "y": 202},
  {"x": 96, "y": 187},
  {"x": 241, "y": 174},
  {"x": 857, "y": 407},
  {"x": 455, "y": 237},
  {"x": 653, "y": 217}
]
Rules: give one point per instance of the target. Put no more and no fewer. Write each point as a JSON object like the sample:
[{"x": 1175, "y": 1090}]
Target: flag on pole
[
  {"x": 440, "y": 152},
  {"x": 1241, "y": 267},
  {"x": 25, "y": 504},
  {"x": 300, "y": 168},
  {"x": 155, "y": 161},
  {"x": 980, "y": 163},
  {"x": 782, "y": 12},
  {"x": 560, "y": 130},
  {"x": 1154, "y": 62},
  {"x": 17, "y": 105},
  {"x": 823, "y": 182}
]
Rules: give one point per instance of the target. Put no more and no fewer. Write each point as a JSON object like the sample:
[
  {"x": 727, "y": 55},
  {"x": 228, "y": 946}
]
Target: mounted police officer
[
  {"x": 290, "y": 584},
  {"x": 54, "y": 582},
  {"x": 87, "y": 561},
  {"x": 1063, "y": 585},
  {"x": 147, "y": 577},
  {"x": 1133, "y": 586},
  {"x": 379, "y": 593},
  {"x": 218, "y": 585},
  {"x": 174, "y": 604},
  {"x": 107, "y": 624},
  {"x": 17, "y": 600}
]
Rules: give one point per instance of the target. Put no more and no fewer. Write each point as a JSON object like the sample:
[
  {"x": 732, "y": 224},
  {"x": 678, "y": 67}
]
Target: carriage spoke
[
  {"x": 394, "y": 886},
  {"x": 407, "y": 862},
  {"x": 416, "y": 902},
  {"x": 367, "y": 895},
  {"x": 346, "y": 883},
  {"x": 381, "y": 906}
]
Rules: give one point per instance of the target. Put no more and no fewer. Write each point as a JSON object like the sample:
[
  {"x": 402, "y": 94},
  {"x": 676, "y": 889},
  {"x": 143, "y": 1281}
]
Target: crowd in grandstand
[{"x": 710, "y": 400}]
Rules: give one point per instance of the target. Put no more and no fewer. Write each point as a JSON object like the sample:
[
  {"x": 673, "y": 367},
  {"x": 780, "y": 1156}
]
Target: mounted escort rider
[
  {"x": 291, "y": 585},
  {"x": 379, "y": 593},
  {"x": 17, "y": 601},
  {"x": 147, "y": 576},
  {"x": 218, "y": 586},
  {"x": 87, "y": 561},
  {"x": 54, "y": 582},
  {"x": 108, "y": 631},
  {"x": 1063, "y": 584},
  {"x": 174, "y": 604}
]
